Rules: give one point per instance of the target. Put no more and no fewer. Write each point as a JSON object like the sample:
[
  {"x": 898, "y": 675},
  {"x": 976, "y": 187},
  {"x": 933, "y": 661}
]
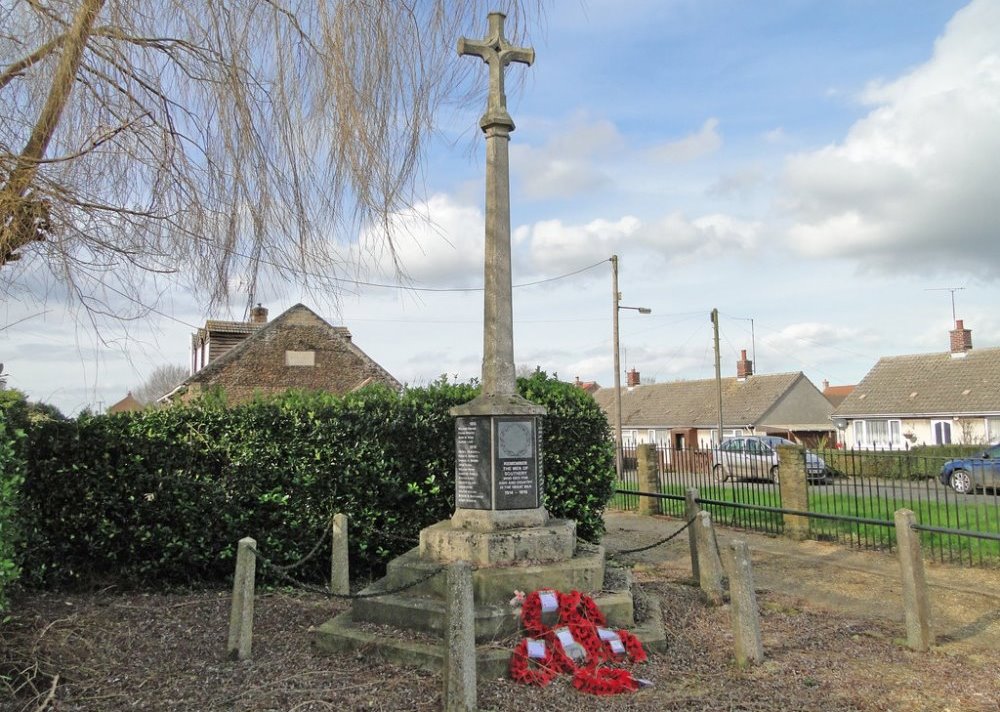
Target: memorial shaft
[{"x": 498, "y": 374}]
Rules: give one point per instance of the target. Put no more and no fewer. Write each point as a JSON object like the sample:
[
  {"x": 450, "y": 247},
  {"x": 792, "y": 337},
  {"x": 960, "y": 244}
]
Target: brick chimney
[
  {"x": 961, "y": 339},
  {"x": 258, "y": 315},
  {"x": 744, "y": 367},
  {"x": 632, "y": 378}
]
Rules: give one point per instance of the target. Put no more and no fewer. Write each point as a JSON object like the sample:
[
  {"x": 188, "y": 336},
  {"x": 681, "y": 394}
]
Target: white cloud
[
  {"x": 706, "y": 141},
  {"x": 564, "y": 167},
  {"x": 438, "y": 242},
  {"x": 913, "y": 185}
]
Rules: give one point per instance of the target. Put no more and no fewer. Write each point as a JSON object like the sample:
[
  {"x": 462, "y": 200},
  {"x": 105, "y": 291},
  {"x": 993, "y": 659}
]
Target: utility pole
[
  {"x": 718, "y": 366},
  {"x": 615, "y": 300}
]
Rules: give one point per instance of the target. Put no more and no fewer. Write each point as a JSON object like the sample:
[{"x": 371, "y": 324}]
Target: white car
[{"x": 756, "y": 457}]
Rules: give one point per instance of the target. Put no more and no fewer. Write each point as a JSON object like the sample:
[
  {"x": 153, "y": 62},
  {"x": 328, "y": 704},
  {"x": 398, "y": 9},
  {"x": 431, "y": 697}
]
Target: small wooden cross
[{"x": 497, "y": 53}]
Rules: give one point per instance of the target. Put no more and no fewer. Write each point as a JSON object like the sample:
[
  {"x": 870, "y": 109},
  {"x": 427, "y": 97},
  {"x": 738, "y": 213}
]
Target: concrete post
[
  {"x": 743, "y": 607},
  {"x": 710, "y": 571},
  {"x": 794, "y": 490},
  {"x": 340, "y": 573},
  {"x": 649, "y": 478},
  {"x": 691, "y": 510},
  {"x": 916, "y": 601},
  {"x": 241, "y": 614},
  {"x": 460, "y": 642}
]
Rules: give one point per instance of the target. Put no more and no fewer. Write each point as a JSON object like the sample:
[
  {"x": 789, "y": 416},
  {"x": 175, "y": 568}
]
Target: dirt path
[{"x": 965, "y": 601}]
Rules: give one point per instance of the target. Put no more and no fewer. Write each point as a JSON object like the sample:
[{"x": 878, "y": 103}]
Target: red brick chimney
[
  {"x": 632, "y": 378},
  {"x": 961, "y": 339},
  {"x": 744, "y": 367},
  {"x": 258, "y": 315}
]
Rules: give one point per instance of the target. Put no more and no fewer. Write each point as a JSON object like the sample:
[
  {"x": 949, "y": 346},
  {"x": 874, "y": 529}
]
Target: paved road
[{"x": 965, "y": 602}]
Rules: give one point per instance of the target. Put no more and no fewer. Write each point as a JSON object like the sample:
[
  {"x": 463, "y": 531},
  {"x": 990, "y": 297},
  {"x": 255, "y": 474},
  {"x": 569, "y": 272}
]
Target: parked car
[
  {"x": 756, "y": 457},
  {"x": 967, "y": 474}
]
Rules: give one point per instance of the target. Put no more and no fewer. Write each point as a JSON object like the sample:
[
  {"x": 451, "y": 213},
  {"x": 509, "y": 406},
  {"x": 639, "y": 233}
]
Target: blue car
[{"x": 980, "y": 471}]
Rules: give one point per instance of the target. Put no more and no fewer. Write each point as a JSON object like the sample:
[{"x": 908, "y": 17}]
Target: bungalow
[
  {"x": 935, "y": 399},
  {"x": 297, "y": 350},
  {"x": 685, "y": 414}
]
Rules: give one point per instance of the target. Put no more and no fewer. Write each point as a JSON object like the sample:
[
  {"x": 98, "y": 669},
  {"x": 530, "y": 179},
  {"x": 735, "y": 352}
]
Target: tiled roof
[
  {"x": 695, "y": 403},
  {"x": 837, "y": 394},
  {"x": 928, "y": 384}
]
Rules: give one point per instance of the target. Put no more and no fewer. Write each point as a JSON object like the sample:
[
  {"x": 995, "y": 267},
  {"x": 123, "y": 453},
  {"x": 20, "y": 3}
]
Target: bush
[
  {"x": 162, "y": 496},
  {"x": 13, "y": 419},
  {"x": 917, "y": 463}
]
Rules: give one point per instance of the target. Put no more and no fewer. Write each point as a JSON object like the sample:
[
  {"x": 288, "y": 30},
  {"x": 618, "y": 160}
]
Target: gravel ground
[{"x": 109, "y": 650}]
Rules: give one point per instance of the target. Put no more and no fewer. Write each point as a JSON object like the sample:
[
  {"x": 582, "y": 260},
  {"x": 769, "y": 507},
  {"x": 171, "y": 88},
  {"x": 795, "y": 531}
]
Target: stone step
[
  {"x": 493, "y": 623},
  {"x": 343, "y": 635},
  {"x": 495, "y": 585}
]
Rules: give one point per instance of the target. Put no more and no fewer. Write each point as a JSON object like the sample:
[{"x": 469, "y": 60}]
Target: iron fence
[{"x": 852, "y": 500}]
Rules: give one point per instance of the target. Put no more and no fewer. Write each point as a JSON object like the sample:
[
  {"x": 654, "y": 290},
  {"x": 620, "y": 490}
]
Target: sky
[{"x": 822, "y": 173}]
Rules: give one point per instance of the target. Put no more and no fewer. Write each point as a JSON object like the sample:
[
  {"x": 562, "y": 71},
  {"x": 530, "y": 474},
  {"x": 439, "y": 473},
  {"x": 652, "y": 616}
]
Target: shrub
[
  {"x": 13, "y": 418},
  {"x": 162, "y": 496}
]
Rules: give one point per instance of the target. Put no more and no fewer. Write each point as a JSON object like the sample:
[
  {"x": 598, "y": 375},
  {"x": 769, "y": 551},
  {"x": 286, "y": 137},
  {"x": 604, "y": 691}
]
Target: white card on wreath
[
  {"x": 536, "y": 649},
  {"x": 549, "y": 601}
]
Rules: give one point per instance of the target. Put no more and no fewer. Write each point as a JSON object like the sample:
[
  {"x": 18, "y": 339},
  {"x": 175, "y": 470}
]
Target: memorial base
[{"x": 445, "y": 542}]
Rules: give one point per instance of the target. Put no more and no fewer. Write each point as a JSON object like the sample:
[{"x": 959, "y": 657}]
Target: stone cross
[
  {"x": 497, "y": 53},
  {"x": 499, "y": 381}
]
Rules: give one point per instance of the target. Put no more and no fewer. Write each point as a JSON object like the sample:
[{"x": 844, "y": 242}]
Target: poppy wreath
[
  {"x": 531, "y": 615},
  {"x": 604, "y": 681},
  {"x": 531, "y": 671},
  {"x": 633, "y": 646},
  {"x": 574, "y": 607}
]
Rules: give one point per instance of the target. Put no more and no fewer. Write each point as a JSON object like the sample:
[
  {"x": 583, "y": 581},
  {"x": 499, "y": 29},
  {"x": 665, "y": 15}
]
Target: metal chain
[
  {"x": 304, "y": 559},
  {"x": 656, "y": 543},
  {"x": 349, "y": 596}
]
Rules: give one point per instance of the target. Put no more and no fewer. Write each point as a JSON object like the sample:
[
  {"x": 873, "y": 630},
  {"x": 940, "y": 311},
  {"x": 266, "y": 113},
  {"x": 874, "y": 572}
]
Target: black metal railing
[{"x": 851, "y": 501}]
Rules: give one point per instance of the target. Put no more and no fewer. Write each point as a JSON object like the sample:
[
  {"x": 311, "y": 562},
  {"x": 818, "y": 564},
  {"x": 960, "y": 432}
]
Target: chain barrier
[
  {"x": 290, "y": 567},
  {"x": 655, "y": 543},
  {"x": 281, "y": 573}
]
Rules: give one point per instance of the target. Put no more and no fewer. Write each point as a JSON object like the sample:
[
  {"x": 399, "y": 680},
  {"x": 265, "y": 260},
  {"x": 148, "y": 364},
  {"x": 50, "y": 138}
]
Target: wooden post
[
  {"x": 709, "y": 563},
  {"x": 916, "y": 601},
  {"x": 743, "y": 607},
  {"x": 241, "y": 614},
  {"x": 691, "y": 510},
  {"x": 649, "y": 478},
  {"x": 340, "y": 574},
  {"x": 460, "y": 645}
]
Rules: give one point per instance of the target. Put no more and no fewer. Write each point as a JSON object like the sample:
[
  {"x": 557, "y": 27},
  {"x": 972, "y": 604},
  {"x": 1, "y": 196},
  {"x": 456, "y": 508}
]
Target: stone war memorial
[{"x": 500, "y": 526}]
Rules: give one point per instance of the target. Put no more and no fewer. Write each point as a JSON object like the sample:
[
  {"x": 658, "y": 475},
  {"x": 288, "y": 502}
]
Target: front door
[{"x": 942, "y": 432}]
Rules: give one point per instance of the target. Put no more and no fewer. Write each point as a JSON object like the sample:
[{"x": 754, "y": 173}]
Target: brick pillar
[
  {"x": 649, "y": 478},
  {"x": 793, "y": 487}
]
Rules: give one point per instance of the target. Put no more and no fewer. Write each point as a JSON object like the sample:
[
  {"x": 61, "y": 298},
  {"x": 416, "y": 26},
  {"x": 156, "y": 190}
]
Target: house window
[
  {"x": 993, "y": 429},
  {"x": 300, "y": 358},
  {"x": 878, "y": 433},
  {"x": 942, "y": 432},
  {"x": 652, "y": 437}
]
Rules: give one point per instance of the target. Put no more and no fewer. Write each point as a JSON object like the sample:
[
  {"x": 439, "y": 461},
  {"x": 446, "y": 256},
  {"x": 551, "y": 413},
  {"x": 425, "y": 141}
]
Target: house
[
  {"x": 125, "y": 405},
  {"x": 685, "y": 414},
  {"x": 590, "y": 387},
  {"x": 297, "y": 350},
  {"x": 934, "y": 399},
  {"x": 836, "y": 394}
]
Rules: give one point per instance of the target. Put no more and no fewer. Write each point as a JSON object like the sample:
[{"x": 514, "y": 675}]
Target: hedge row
[
  {"x": 163, "y": 496},
  {"x": 13, "y": 420},
  {"x": 917, "y": 463}
]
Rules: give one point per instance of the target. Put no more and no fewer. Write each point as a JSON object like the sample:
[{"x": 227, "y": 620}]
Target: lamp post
[{"x": 617, "y": 306}]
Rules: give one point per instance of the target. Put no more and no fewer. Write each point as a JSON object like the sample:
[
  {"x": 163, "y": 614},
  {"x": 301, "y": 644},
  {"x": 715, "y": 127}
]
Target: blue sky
[{"x": 814, "y": 166}]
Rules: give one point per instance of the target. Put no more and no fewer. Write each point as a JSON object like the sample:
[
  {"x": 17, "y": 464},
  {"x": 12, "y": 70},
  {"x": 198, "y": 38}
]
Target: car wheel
[
  {"x": 774, "y": 474},
  {"x": 719, "y": 473},
  {"x": 961, "y": 482}
]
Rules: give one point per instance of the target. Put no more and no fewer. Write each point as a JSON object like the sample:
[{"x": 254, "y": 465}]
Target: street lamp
[{"x": 617, "y": 306}]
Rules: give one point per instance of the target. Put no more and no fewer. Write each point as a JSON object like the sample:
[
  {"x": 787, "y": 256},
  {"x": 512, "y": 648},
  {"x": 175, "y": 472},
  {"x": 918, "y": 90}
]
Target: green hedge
[
  {"x": 917, "y": 463},
  {"x": 162, "y": 496},
  {"x": 13, "y": 421}
]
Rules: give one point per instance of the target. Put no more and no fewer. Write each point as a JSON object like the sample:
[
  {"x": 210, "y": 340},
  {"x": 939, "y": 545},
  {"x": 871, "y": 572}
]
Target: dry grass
[{"x": 110, "y": 651}]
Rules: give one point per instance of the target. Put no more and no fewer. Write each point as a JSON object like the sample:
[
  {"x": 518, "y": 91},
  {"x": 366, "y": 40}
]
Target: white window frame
[
  {"x": 934, "y": 432},
  {"x": 890, "y": 433},
  {"x": 992, "y": 428}
]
